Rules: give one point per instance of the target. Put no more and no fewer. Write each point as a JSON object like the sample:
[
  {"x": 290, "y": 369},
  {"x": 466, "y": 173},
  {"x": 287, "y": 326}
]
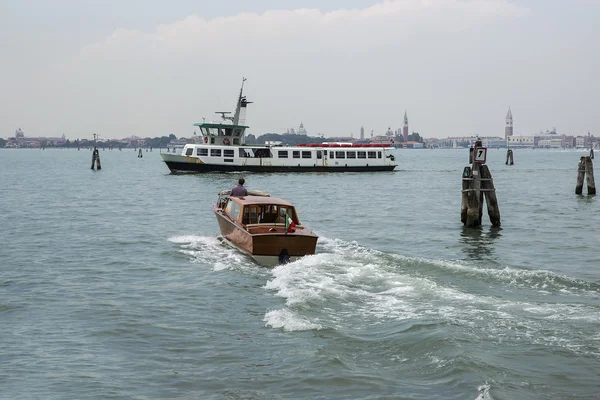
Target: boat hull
[
  {"x": 183, "y": 164},
  {"x": 267, "y": 247}
]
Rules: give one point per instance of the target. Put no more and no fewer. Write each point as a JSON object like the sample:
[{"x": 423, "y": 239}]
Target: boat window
[
  {"x": 228, "y": 131},
  {"x": 215, "y": 152},
  {"x": 307, "y": 154},
  {"x": 233, "y": 209},
  {"x": 236, "y": 141},
  {"x": 212, "y": 140},
  {"x": 361, "y": 154},
  {"x": 331, "y": 154},
  {"x": 189, "y": 151},
  {"x": 351, "y": 154},
  {"x": 205, "y": 131},
  {"x": 262, "y": 153},
  {"x": 372, "y": 154},
  {"x": 245, "y": 153},
  {"x": 319, "y": 154},
  {"x": 253, "y": 213},
  {"x": 237, "y": 132},
  {"x": 228, "y": 153},
  {"x": 213, "y": 131},
  {"x": 378, "y": 154},
  {"x": 340, "y": 154},
  {"x": 282, "y": 154},
  {"x": 201, "y": 151},
  {"x": 269, "y": 214},
  {"x": 296, "y": 154}
]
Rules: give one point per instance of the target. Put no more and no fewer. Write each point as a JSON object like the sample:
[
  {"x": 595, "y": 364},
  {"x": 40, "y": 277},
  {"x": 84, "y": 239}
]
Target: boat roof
[
  {"x": 215, "y": 125},
  {"x": 248, "y": 200}
]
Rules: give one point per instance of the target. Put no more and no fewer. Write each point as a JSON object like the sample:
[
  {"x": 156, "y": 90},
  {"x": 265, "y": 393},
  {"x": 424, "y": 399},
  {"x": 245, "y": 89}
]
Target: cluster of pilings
[{"x": 477, "y": 184}]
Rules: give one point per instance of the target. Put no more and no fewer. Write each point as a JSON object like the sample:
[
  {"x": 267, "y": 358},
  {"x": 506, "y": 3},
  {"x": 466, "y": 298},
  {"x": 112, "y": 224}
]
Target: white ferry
[{"x": 223, "y": 149}]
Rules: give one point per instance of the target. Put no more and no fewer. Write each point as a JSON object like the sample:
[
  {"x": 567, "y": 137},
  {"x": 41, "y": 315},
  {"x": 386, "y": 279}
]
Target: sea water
[{"x": 113, "y": 283}]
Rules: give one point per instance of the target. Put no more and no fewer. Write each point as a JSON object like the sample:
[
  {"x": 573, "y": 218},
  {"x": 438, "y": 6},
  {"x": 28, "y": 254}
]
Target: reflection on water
[{"x": 478, "y": 243}]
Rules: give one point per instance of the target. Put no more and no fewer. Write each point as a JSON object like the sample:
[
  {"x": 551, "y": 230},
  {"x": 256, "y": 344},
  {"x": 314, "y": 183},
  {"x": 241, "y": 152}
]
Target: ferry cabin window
[
  {"x": 340, "y": 154},
  {"x": 245, "y": 153},
  {"x": 228, "y": 153},
  {"x": 262, "y": 153},
  {"x": 361, "y": 154},
  {"x": 331, "y": 154},
  {"x": 306, "y": 154},
  {"x": 378, "y": 154},
  {"x": 215, "y": 152},
  {"x": 228, "y": 131},
  {"x": 201, "y": 152},
  {"x": 319, "y": 154},
  {"x": 282, "y": 154},
  {"x": 296, "y": 154},
  {"x": 351, "y": 154},
  {"x": 189, "y": 151},
  {"x": 237, "y": 132},
  {"x": 372, "y": 154},
  {"x": 236, "y": 141}
]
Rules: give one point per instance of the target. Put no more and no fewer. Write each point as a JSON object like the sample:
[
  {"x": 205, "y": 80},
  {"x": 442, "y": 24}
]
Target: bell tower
[
  {"x": 405, "y": 127},
  {"x": 508, "y": 127}
]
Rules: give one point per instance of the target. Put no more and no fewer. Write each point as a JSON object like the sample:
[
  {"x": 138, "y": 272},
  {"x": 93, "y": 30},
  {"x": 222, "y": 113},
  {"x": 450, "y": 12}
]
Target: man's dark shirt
[{"x": 239, "y": 191}]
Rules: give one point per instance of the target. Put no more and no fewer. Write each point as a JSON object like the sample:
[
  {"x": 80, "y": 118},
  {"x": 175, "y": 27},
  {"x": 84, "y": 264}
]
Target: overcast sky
[{"x": 152, "y": 67}]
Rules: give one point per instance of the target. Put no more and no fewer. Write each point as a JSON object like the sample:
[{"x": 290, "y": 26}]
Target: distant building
[
  {"x": 508, "y": 126},
  {"x": 362, "y": 133},
  {"x": 301, "y": 130},
  {"x": 405, "y": 128}
]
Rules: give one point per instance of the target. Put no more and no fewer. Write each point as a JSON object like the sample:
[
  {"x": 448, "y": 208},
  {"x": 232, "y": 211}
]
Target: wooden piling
[
  {"x": 473, "y": 199},
  {"x": 580, "y": 176},
  {"x": 489, "y": 191},
  {"x": 509, "y": 157},
  {"x": 589, "y": 176},
  {"x": 592, "y": 154},
  {"x": 466, "y": 183},
  {"x": 96, "y": 160},
  {"x": 140, "y": 154}
]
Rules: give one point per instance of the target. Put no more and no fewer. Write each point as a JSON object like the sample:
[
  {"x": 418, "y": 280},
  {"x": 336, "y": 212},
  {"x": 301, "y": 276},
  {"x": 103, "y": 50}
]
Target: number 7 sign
[{"x": 480, "y": 154}]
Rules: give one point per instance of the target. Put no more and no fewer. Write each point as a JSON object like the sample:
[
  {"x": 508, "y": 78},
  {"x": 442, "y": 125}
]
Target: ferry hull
[{"x": 194, "y": 167}]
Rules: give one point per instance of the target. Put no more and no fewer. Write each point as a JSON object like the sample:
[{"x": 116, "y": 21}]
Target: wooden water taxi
[
  {"x": 264, "y": 227},
  {"x": 222, "y": 148}
]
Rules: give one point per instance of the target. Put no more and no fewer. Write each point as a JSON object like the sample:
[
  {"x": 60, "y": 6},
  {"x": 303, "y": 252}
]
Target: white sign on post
[{"x": 480, "y": 155}]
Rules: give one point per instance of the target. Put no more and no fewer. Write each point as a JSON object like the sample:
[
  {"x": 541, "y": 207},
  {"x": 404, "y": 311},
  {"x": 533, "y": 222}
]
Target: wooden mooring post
[
  {"x": 96, "y": 156},
  {"x": 477, "y": 184},
  {"x": 140, "y": 154},
  {"x": 509, "y": 157},
  {"x": 585, "y": 169}
]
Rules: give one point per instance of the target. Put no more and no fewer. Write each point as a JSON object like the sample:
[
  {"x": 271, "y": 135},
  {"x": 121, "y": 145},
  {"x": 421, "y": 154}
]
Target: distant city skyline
[{"x": 79, "y": 68}]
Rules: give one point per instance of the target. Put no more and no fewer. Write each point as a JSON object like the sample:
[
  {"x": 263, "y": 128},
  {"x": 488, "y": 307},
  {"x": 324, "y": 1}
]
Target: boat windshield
[{"x": 268, "y": 214}]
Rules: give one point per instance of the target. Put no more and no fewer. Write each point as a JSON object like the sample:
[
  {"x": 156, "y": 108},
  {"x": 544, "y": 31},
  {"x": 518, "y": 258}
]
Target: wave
[{"x": 347, "y": 286}]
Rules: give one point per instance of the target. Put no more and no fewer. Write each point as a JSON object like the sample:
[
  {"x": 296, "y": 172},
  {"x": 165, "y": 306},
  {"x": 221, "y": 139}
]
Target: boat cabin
[
  {"x": 222, "y": 134},
  {"x": 256, "y": 211}
]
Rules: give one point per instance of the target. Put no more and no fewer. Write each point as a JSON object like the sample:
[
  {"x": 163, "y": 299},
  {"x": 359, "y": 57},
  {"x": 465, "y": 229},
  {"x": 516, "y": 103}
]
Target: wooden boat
[
  {"x": 264, "y": 227},
  {"x": 222, "y": 148}
]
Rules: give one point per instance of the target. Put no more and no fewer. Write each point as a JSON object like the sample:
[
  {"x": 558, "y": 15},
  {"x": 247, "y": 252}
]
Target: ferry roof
[
  {"x": 214, "y": 125},
  {"x": 247, "y": 200}
]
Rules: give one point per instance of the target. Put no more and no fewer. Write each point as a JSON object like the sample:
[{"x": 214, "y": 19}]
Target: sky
[{"x": 150, "y": 68}]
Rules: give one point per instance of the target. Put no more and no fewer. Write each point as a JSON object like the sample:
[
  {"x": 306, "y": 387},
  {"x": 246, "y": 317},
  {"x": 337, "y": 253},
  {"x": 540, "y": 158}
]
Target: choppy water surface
[{"x": 113, "y": 284}]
